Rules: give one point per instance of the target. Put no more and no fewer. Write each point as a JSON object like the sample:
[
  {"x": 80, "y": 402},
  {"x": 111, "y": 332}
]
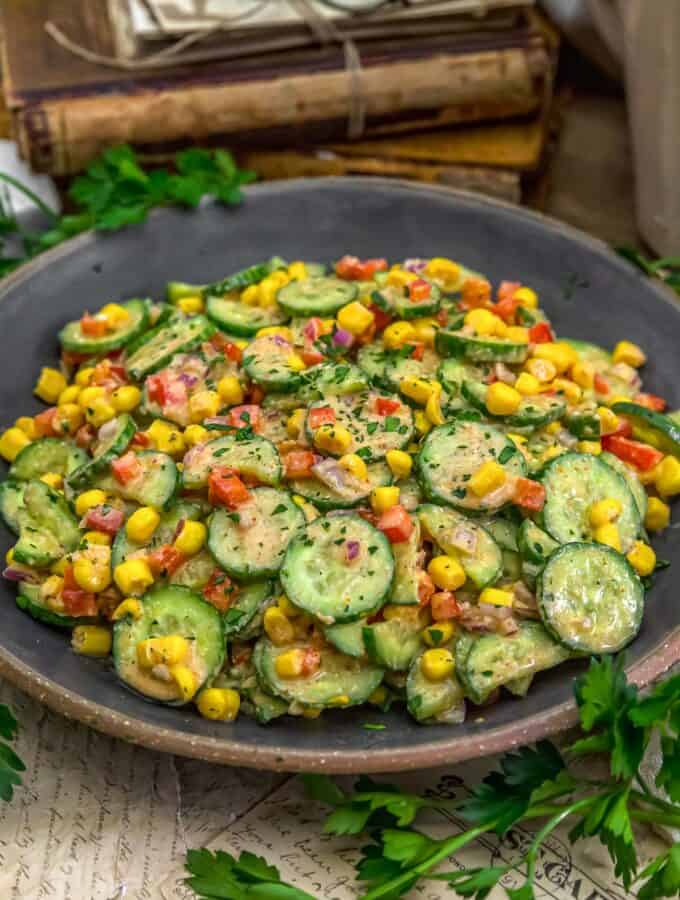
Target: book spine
[{"x": 62, "y": 136}]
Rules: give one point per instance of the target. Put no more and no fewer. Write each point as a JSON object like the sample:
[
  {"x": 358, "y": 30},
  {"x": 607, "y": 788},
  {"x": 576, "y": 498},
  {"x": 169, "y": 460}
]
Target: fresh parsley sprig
[
  {"x": 10, "y": 764},
  {"x": 220, "y": 876},
  {"x": 667, "y": 269}
]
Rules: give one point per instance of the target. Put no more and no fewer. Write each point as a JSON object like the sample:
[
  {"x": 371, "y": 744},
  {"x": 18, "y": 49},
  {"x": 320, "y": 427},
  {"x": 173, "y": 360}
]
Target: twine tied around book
[{"x": 321, "y": 28}]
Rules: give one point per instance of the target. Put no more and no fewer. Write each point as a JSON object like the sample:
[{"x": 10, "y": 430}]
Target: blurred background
[{"x": 571, "y": 107}]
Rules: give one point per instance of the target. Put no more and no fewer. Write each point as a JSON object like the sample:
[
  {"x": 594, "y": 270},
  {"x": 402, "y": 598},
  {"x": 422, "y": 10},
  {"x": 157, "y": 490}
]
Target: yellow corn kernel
[
  {"x": 517, "y": 439},
  {"x": 648, "y": 477},
  {"x": 425, "y": 330},
  {"x": 195, "y": 434},
  {"x": 446, "y": 572},
  {"x": 408, "y": 614},
  {"x": 171, "y": 442},
  {"x": 559, "y": 353},
  {"x": 592, "y": 447},
  {"x": 482, "y": 321},
  {"x": 355, "y": 318},
  {"x": 49, "y": 385},
  {"x": 311, "y": 712},
  {"x": 397, "y": 334},
  {"x": 668, "y": 476},
  {"x": 126, "y": 398},
  {"x": 527, "y": 384},
  {"x": 602, "y": 512},
  {"x": 488, "y": 477},
  {"x": 280, "y": 330},
  {"x": 190, "y": 306},
  {"x": 186, "y": 681},
  {"x": 168, "y": 651},
  {"x": 526, "y": 297},
  {"x": 542, "y": 369},
  {"x": 91, "y": 577},
  {"x": 295, "y": 423},
  {"x": 438, "y": 633},
  {"x": 51, "y": 587},
  {"x": 267, "y": 291},
  {"x": 308, "y": 509},
  {"x": 552, "y": 452},
  {"x": 642, "y": 558},
  {"x": 437, "y": 664},
  {"x": 70, "y": 417},
  {"x": 629, "y": 353},
  {"x": 59, "y": 567},
  {"x": 53, "y": 480},
  {"x": 251, "y": 295},
  {"x": 418, "y": 389},
  {"x": 128, "y": 607},
  {"x": 569, "y": 389},
  {"x": 219, "y": 704},
  {"x": 340, "y": 700},
  {"x": 583, "y": 373},
  {"x": 295, "y": 362},
  {"x": 433, "y": 410},
  {"x": 421, "y": 422},
  {"x": 496, "y": 597},
  {"x": 501, "y": 329},
  {"x": 518, "y": 334},
  {"x": 91, "y": 640},
  {"x": 354, "y": 465},
  {"x": 203, "y": 405},
  {"x": 142, "y": 524},
  {"x": 609, "y": 535},
  {"x": 297, "y": 271},
  {"x": 332, "y": 438},
  {"x": 501, "y": 399},
  {"x": 290, "y": 663},
  {"x": 379, "y": 696},
  {"x": 89, "y": 499},
  {"x": 446, "y": 271},
  {"x": 400, "y": 463},
  {"x": 609, "y": 421},
  {"x": 278, "y": 627},
  {"x": 279, "y": 277},
  {"x": 289, "y": 610},
  {"x": 98, "y": 538},
  {"x": 553, "y": 428},
  {"x": 70, "y": 394},
  {"x": 384, "y": 498},
  {"x": 400, "y": 277},
  {"x": 83, "y": 376},
  {"x": 230, "y": 390},
  {"x": 133, "y": 576},
  {"x": 89, "y": 394},
  {"x": 658, "y": 514},
  {"x": 191, "y": 538},
  {"x": 99, "y": 411},
  {"x": 12, "y": 443},
  {"x": 115, "y": 314}
]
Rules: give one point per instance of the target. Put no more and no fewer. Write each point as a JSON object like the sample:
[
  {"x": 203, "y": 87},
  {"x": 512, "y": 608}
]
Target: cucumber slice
[
  {"x": 573, "y": 482},
  {"x": 350, "y": 491},
  {"x": 317, "y": 577},
  {"x": 398, "y": 367},
  {"x": 266, "y": 362},
  {"x": 392, "y": 644},
  {"x": 255, "y": 458},
  {"x": 434, "y": 702},
  {"x": 589, "y": 352},
  {"x": 11, "y": 503},
  {"x": 118, "y": 433},
  {"x": 240, "y": 319},
  {"x": 243, "y": 609},
  {"x": 519, "y": 687},
  {"x": 265, "y": 707},
  {"x": 453, "y": 452},
  {"x": 255, "y": 549},
  {"x": 631, "y": 478},
  {"x": 533, "y": 412},
  {"x": 339, "y": 676},
  {"x": 123, "y": 548},
  {"x": 450, "y": 529},
  {"x": 244, "y": 277},
  {"x": 512, "y": 565},
  {"x": 373, "y": 435},
  {"x": 503, "y": 531},
  {"x": 195, "y": 572},
  {"x": 47, "y": 527},
  {"x": 156, "y": 484},
  {"x": 347, "y": 638},
  {"x": 410, "y": 495},
  {"x": 453, "y": 372},
  {"x": 535, "y": 545},
  {"x": 584, "y": 423},
  {"x": 492, "y": 660},
  {"x": 334, "y": 380},
  {"x": 178, "y": 290},
  {"x": 406, "y": 569},
  {"x": 479, "y": 349},
  {"x": 74, "y": 340},
  {"x": 316, "y": 296},
  {"x": 46, "y": 455},
  {"x": 590, "y": 598},
  {"x": 651, "y": 427},
  {"x": 28, "y": 599},
  {"x": 406, "y": 308},
  {"x": 158, "y": 346},
  {"x": 165, "y": 611},
  {"x": 372, "y": 359}
]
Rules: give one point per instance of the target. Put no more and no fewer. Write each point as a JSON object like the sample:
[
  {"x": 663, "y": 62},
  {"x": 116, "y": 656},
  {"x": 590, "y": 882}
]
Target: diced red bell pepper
[
  {"x": 541, "y": 333},
  {"x": 230, "y": 350},
  {"x": 77, "y": 602},
  {"x": 381, "y": 319},
  {"x": 298, "y": 464},
  {"x": 140, "y": 439},
  {"x": 637, "y": 454},
  {"x": 226, "y": 490},
  {"x": 312, "y": 357},
  {"x": 72, "y": 360},
  {"x": 311, "y": 662},
  {"x": 92, "y": 326},
  {"x": 396, "y": 524},
  {"x": 165, "y": 560},
  {"x": 600, "y": 384},
  {"x": 507, "y": 289},
  {"x": 353, "y": 269},
  {"x": 651, "y": 401},
  {"x": 45, "y": 423},
  {"x": 475, "y": 293},
  {"x": 104, "y": 518},
  {"x": 426, "y": 588},
  {"x": 321, "y": 415},
  {"x": 108, "y": 373},
  {"x": 255, "y": 395},
  {"x": 443, "y": 606},
  {"x": 418, "y": 350},
  {"x": 529, "y": 494},
  {"x": 442, "y": 317},
  {"x": 85, "y": 436},
  {"x": 507, "y": 309},
  {"x": 220, "y": 591},
  {"x": 126, "y": 468},
  {"x": 156, "y": 389},
  {"x": 248, "y": 414},
  {"x": 385, "y": 406},
  {"x": 624, "y": 428},
  {"x": 313, "y": 328},
  {"x": 419, "y": 290},
  {"x": 347, "y": 266}
]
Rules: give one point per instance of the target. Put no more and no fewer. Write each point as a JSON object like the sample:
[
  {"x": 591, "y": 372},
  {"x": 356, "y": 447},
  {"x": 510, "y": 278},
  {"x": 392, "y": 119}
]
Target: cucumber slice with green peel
[
  {"x": 434, "y": 702},
  {"x": 453, "y": 373},
  {"x": 535, "y": 545},
  {"x": 348, "y": 491},
  {"x": 530, "y": 572},
  {"x": 373, "y": 435},
  {"x": 406, "y": 569},
  {"x": 512, "y": 565},
  {"x": 452, "y": 453},
  {"x": 399, "y": 366},
  {"x": 674, "y": 416},
  {"x": 239, "y": 319},
  {"x": 340, "y": 680},
  {"x": 339, "y": 569},
  {"x": 29, "y": 599},
  {"x": 334, "y": 380},
  {"x": 250, "y": 542},
  {"x": 631, "y": 478},
  {"x": 347, "y": 638},
  {"x": 195, "y": 572},
  {"x": 255, "y": 458},
  {"x": 392, "y": 644},
  {"x": 155, "y": 484},
  {"x": 453, "y": 532},
  {"x": 47, "y": 455},
  {"x": 373, "y": 359},
  {"x": 316, "y": 296},
  {"x": 492, "y": 660},
  {"x": 405, "y": 308},
  {"x": 12, "y": 502},
  {"x": 178, "y": 335},
  {"x": 573, "y": 483},
  {"x": 266, "y": 361},
  {"x": 503, "y": 531},
  {"x": 532, "y": 412},
  {"x": 123, "y": 548},
  {"x": 73, "y": 339},
  {"x": 118, "y": 434},
  {"x": 169, "y": 610},
  {"x": 244, "y": 277},
  {"x": 410, "y": 494},
  {"x": 265, "y": 707},
  {"x": 273, "y": 424},
  {"x": 47, "y": 527},
  {"x": 244, "y": 607},
  {"x": 479, "y": 349},
  {"x": 590, "y": 598},
  {"x": 519, "y": 687},
  {"x": 178, "y": 290},
  {"x": 652, "y": 427},
  {"x": 583, "y": 423}
]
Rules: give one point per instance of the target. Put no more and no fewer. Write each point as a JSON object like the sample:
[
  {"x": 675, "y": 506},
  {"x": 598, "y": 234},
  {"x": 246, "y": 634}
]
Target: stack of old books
[{"x": 451, "y": 91}]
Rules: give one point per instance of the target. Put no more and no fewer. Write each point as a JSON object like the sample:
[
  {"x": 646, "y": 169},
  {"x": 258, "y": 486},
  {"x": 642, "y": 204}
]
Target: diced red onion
[
  {"x": 178, "y": 529},
  {"x": 311, "y": 330},
  {"x": 463, "y": 538},
  {"x": 187, "y": 379},
  {"x": 415, "y": 265},
  {"x": 352, "y": 550},
  {"x": 107, "y": 430},
  {"x": 330, "y": 473},
  {"x": 13, "y": 574},
  {"x": 503, "y": 373},
  {"x": 566, "y": 438},
  {"x": 343, "y": 338},
  {"x": 280, "y": 340}
]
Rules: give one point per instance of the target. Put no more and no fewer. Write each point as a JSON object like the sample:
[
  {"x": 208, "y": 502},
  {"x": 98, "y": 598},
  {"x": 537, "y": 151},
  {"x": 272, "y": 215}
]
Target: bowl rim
[{"x": 367, "y": 760}]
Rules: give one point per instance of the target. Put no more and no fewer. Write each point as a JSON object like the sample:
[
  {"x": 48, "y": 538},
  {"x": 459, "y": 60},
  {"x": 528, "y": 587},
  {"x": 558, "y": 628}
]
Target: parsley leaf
[
  {"x": 220, "y": 876},
  {"x": 10, "y": 763}
]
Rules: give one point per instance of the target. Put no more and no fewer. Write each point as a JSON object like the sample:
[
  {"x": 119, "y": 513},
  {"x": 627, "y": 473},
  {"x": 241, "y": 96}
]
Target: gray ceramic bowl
[{"x": 587, "y": 291}]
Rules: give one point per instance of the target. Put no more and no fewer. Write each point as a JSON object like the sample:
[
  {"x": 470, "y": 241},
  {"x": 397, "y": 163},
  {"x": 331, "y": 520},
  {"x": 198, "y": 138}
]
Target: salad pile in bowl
[{"x": 306, "y": 487}]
